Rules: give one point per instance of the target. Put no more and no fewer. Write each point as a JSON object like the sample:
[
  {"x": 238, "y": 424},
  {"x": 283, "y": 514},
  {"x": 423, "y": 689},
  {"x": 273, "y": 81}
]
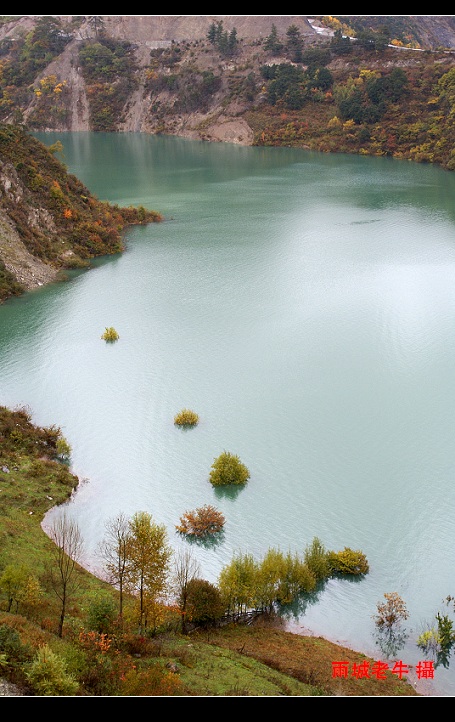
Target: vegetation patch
[
  {"x": 186, "y": 417},
  {"x": 110, "y": 334},
  {"x": 202, "y": 522},
  {"x": 227, "y": 469}
]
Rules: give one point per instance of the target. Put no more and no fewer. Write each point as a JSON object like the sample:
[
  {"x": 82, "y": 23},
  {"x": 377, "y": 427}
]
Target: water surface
[{"x": 304, "y": 306}]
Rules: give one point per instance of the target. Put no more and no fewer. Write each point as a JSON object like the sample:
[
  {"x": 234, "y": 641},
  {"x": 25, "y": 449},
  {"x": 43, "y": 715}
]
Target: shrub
[
  {"x": 102, "y": 613},
  {"x": 48, "y": 677},
  {"x": 14, "y": 651},
  {"x": 391, "y": 613},
  {"x": 348, "y": 561},
  {"x": 110, "y": 334},
  {"x": 186, "y": 417},
  {"x": 205, "y": 604},
  {"x": 228, "y": 469},
  {"x": 151, "y": 682},
  {"x": 201, "y": 522},
  {"x": 63, "y": 449}
]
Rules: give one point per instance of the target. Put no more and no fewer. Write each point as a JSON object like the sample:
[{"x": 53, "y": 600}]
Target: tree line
[{"x": 138, "y": 560}]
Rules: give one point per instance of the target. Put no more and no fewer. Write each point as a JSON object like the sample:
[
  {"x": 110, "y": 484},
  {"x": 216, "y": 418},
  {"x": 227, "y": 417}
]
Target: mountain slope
[{"x": 49, "y": 221}]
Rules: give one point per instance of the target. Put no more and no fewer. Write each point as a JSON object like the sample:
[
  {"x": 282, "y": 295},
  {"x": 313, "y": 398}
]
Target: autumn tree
[
  {"x": 237, "y": 584},
  {"x": 186, "y": 417},
  {"x": 67, "y": 553},
  {"x": 149, "y": 556},
  {"x": 439, "y": 640},
  {"x": 317, "y": 559},
  {"x": 186, "y": 568},
  {"x": 280, "y": 578},
  {"x": 20, "y": 586},
  {"x": 392, "y": 612},
  {"x": 202, "y": 522},
  {"x": 114, "y": 551},
  {"x": 391, "y": 635}
]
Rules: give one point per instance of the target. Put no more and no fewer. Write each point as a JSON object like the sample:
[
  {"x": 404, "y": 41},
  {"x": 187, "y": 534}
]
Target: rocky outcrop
[{"x": 28, "y": 270}]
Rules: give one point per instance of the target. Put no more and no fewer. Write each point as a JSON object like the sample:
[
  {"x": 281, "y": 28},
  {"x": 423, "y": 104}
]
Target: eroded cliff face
[
  {"x": 28, "y": 270},
  {"x": 148, "y": 29},
  {"x": 223, "y": 122},
  {"x": 147, "y": 32}
]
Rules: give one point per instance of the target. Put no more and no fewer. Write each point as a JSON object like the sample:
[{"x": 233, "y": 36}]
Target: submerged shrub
[
  {"x": 202, "y": 522},
  {"x": 186, "y": 417},
  {"x": 348, "y": 561},
  {"x": 228, "y": 469},
  {"x": 110, "y": 334}
]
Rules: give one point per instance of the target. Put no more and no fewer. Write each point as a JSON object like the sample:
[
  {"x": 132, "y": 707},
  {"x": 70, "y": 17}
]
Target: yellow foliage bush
[
  {"x": 186, "y": 417},
  {"x": 110, "y": 334}
]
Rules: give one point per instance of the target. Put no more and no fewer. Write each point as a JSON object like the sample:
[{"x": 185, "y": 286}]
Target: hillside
[
  {"x": 49, "y": 221},
  {"x": 251, "y": 80}
]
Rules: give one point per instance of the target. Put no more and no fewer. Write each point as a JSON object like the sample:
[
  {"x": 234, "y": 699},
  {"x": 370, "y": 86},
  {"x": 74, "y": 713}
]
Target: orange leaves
[
  {"x": 95, "y": 641},
  {"x": 202, "y": 522}
]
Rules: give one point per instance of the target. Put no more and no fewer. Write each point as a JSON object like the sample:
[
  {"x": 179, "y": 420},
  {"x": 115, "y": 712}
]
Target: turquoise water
[{"x": 304, "y": 306}]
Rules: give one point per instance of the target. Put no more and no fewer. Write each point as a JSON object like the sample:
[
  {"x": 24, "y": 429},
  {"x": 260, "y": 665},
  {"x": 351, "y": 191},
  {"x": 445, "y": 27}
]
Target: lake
[{"x": 303, "y": 305}]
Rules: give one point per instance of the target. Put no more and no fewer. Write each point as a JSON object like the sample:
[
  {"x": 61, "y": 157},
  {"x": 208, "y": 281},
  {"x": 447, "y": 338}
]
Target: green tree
[
  {"x": 97, "y": 23},
  {"x": 237, "y": 584},
  {"x": 149, "y": 556},
  {"x": 267, "y": 582},
  {"x": 228, "y": 469},
  {"x": 294, "y": 43},
  {"x": 339, "y": 44},
  {"x": 317, "y": 559},
  {"x": 296, "y": 578},
  {"x": 14, "y": 651},
  {"x": 101, "y": 613},
  {"x": 281, "y": 578},
  {"x": 204, "y": 602},
  {"x": 63, "y": 449},
  {"x": 439, "y": 640},
  {"x": 321, "y": 78},
  {"x": 287, "y": 83},
  {"x": 19, "y": 586},
  {"x": 272, "y": 43},
  {"x": 215, "y": 32}
]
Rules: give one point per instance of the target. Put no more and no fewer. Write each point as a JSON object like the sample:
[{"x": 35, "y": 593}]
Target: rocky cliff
[
  {"x": 49, "y": 221},
  {"x": 223, "y": 120}
]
